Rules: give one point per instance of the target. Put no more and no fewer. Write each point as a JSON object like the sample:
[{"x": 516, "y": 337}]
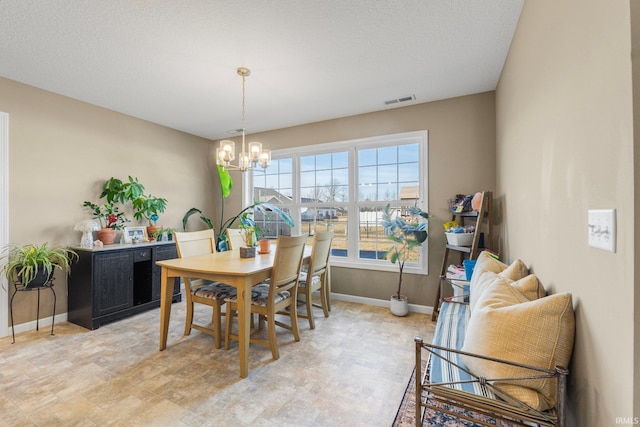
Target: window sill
[{"x": 375, "y": 266}]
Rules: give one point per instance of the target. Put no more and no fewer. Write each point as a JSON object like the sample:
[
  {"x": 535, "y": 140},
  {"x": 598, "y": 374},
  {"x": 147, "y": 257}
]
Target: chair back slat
[
  {"x": 320, "y": 252},
  {"x": 193, "y": 243},
  {"x": 235, "y": 239},
  {"x": 287, "y": 263}
]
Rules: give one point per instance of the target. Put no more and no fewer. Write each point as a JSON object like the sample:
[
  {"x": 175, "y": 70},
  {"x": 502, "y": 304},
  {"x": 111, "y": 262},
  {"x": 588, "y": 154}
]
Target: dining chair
[
  {"x": 316, "y": 277},
  {"x": 234, "y": 237},
  {"x": 275, "y": 295},
  {"x": 205, "y": 292}
]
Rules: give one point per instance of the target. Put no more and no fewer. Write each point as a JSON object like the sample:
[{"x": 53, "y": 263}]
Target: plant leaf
[{"x": 226, "y": 183}]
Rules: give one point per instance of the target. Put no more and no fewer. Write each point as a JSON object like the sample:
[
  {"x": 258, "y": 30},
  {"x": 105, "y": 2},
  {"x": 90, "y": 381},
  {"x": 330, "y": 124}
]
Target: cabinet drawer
[{"x": 141, "y": 255}]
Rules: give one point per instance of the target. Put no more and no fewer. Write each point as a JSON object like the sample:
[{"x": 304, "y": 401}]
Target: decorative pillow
[
  {"x": 529, "y": 286},
  {"x": 505, "y": 325},
  {"x": 487, "y": 264}
]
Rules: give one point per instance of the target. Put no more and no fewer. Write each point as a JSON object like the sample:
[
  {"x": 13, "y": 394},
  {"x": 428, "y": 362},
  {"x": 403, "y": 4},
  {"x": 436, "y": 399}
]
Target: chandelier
[{"x": 249, "y": 159}]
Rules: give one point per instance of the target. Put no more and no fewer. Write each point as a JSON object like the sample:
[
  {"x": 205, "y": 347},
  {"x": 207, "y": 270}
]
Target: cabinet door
[
  {"x": 113, "y": 282},
  {"x": 161, "y": 253}
]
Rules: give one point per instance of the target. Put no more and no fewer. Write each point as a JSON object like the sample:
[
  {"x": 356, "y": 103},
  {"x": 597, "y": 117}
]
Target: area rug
[{"x": 405, "y": 417}]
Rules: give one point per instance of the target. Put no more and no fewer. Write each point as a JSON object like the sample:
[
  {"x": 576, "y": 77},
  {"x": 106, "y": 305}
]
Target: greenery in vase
[
  {"x": 108, "y": 214},
  {"x": 25, "y": 261},
  {"x": 149, "y": 207},
  {"x": 406, "y": 235}
]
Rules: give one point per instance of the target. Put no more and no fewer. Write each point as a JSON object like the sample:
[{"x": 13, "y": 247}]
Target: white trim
[
  {"x": 44, "y": 324},
  {"x": 353, "y": 203},
  {"x": 4, "y": 218},
  {"x": 424, "y": 309}
]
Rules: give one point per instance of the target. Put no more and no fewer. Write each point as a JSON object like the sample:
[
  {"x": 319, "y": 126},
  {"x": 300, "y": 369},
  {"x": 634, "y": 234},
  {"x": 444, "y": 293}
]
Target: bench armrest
[{"x": 510, "y": 406}]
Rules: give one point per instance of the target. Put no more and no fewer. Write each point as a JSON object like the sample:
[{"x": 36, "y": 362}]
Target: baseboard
[
  {"x": 424, "y": 309},
  {"x": 62, "y": 317},
  {"x": 43, "y": 323}
]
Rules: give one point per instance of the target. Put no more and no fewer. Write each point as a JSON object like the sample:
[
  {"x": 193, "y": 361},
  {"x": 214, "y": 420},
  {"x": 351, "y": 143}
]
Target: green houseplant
[
  {"x": 149, "y": 207},
  {"x": 117, "y": 191},
  {"x": 32, "y": 265},
  {"x": 111, "y": 219},
  {"x": 407, "y": 232},
  {"x": 245, "y": 216}
]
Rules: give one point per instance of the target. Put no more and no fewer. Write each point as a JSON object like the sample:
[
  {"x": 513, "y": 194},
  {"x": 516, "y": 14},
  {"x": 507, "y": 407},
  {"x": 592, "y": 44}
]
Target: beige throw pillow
[
  {"x": 480, "y": 280},
  {"x": 506, "y": 325}
]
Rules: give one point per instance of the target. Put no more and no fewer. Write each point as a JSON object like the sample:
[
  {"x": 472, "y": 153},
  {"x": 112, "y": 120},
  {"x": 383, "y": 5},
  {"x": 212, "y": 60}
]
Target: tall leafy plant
[
  {"x": 245, "y": 216},
  {"x": 406, "y": 235},
  {"x": 226, "y": 183}
]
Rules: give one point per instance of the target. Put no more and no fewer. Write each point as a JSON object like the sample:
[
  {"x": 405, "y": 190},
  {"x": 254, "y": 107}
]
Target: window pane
[
  {"x": 307, "y": 163},
  {"x": 388, "y": 173},
  {"x": 271, "y": 225},
  {"x": 323, "y": 177},
  {"x": 372, "y": 242},
  {"x": 367, "y": 157},
  {"x": 323, "y": 161},
  {"x": 327, "y": 219},
  {"x": 285, "y": 165},
  {"x": 340, "y": 160},
  {"x": 367, "y": 175},
  {"x": 341, "y": 176},
  {"x": 409, "y": 172},
  {"x": 388, "y": 192},
  {"x": 275, "y": 184},
  {"x": 408, "y": 153},
  {"x": 387, "y": 155}
]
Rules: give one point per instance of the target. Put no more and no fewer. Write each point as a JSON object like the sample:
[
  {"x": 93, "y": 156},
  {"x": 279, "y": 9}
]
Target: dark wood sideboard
[{"x": 117, "y": 281}]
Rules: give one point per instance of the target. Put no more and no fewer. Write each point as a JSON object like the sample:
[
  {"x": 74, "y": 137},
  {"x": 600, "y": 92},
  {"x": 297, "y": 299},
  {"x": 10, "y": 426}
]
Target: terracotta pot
[
  {"x": 152, "y": 229},
  {"x": 107, "y": 235},
  {"x": 265, "y": 246}
]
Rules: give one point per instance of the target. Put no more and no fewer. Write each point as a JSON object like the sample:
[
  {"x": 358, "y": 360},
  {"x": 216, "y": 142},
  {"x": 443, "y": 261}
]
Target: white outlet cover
[{"x": 602, "y": 229}]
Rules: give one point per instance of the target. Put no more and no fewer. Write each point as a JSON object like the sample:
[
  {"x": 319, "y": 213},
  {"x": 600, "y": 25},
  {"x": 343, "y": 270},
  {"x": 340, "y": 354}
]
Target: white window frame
[{"x": 353, "y": 205}]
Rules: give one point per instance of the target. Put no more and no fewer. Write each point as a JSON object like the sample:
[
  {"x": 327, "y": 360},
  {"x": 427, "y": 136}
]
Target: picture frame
[{"x": 139, "y": 232}]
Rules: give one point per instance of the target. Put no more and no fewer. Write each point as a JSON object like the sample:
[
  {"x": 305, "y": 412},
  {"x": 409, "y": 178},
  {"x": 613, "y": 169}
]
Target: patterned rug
[{"x": 405, "y": 417}]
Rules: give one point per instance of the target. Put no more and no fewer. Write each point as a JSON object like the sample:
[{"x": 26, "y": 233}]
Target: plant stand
[{"x": 19, "y": 288}]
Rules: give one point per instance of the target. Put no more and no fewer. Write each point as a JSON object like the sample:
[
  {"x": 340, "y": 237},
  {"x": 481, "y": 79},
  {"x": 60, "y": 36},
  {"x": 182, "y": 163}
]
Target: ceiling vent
[
  {"x": 234, "y": 131},
  {"x": 399, "y": 100}
]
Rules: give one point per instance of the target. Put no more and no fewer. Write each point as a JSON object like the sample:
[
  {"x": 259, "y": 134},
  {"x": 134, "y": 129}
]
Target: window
[{"x": 344, "y": 187}]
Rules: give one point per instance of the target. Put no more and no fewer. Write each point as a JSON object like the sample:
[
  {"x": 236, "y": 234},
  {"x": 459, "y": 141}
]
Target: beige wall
[
  {"x": 461, "y": 160},
  {"x": 62, "y": 150},
  {"x": 76, "y": 146},
  {"x": 565, "y": 145}
]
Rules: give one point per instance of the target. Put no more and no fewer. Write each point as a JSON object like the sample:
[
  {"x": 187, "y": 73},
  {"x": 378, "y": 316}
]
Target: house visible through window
[{"x": 344, "y": 187}]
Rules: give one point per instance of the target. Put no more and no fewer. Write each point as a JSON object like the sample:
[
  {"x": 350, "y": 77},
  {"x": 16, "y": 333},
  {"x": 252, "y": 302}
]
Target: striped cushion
[
  {"x": 303, "y": 279},
  {"x": 214, "y": 290},
  {"x": 260, "y": 293},
  {"x": 450, "y": 332}
]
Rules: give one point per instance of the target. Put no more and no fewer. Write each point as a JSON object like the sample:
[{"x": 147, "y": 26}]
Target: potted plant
[
  {"x": 167, "y": 233},
  {"x": 149, "y": 207},
  {"x": 246, "y": 217},
  {"x": 247, "y": 231},
  {"x": 32, "y": 266},
  {"x": 111, "y": 219},
  {"x": 117, "y": 191},
  {"x": 406, "y": 232}
]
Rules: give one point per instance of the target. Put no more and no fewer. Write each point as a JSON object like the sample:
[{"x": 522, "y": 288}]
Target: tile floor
[{"x": 350, "y": 371}]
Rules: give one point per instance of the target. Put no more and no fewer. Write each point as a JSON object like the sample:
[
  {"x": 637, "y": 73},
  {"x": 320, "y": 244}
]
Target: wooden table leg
[
  {"x": 244, "y": 317},
  {"x": 166, "y": 295}
]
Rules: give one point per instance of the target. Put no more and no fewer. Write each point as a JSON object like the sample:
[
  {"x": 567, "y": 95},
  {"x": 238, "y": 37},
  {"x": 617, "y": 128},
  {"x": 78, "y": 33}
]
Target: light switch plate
[{"x": 602, "y": 229}]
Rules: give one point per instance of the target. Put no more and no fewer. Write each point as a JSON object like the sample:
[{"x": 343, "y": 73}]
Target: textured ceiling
[{"x": 174, "y": 62}]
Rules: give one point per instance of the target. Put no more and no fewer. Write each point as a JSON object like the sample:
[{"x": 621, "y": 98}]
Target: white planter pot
[{"x": 399, "y": 307}]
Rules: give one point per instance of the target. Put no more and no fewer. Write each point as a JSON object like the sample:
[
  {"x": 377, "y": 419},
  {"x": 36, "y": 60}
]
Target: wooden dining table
[{"x": 226, "y": 267}]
